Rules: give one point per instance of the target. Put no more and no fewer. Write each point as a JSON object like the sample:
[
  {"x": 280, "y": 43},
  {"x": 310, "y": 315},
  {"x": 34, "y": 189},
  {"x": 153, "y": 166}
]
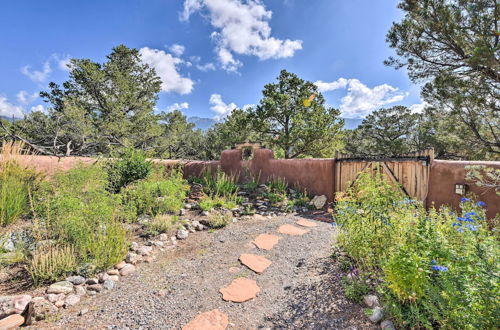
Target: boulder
[
  {"x": 61, "y": 287},
  {"x": 318, "y": 201},
  {"x": 127, "y": 270},
  {"x": 71, "y": 300},
  {"x": 376, "y": 315},
  {"x": 76, "y": 280}
]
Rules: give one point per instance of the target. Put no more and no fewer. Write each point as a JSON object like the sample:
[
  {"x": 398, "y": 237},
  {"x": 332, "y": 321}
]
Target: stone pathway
[{"x": 257, "y": 273}]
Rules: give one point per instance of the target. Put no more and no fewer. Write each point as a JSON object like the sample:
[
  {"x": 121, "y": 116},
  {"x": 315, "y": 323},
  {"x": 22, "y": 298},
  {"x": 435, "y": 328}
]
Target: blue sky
[{"x": 212, "y": 55}]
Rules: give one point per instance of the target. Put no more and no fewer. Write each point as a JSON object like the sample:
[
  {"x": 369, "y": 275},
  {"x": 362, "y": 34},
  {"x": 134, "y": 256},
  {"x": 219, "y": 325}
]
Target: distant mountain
[
  {"x": 352, "y": 123},
  {"x": 11, "y": 119},
  {"x": 202, "y": 123},
  {"x": 206, "y": 123}
]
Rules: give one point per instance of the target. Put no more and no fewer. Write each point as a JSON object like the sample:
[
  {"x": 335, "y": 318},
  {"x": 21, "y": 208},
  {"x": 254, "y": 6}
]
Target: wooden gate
[{"x": 410, "y": 173}]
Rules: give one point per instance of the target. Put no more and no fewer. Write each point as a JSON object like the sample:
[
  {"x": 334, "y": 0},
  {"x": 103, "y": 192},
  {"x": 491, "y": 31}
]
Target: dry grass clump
[{"x": 52, "y": 263}]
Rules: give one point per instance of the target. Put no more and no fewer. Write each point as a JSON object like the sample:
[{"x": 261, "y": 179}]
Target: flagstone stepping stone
[
  {"x": 256, "y": 263},
  {"x": 240, "y": 290},
  {"x": 305, "y": 223},
  {"x": 292, "y": 230},
  {"x": 11, "y": 322},
  {"x": 266, "y": 241},
  {"x": 212, "y": 320}
]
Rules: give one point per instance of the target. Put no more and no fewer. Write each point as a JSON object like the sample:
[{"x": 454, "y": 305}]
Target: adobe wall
[
  {"x": 445, "y": 174},
  {"x": 314, "y": 175}
]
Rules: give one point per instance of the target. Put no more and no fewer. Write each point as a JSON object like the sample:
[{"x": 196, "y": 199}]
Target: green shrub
[
  {"x": 75, "y": 209},
  {"x": 275, "y": 198},
  {"x": 158, "y": 194},
  {"x": 51, "y": 264},
  {"x": 161, "y": 223},
  {"x": 437, "y": 268},
  {"x": 278, "y": 185},
  {"x": 16, "y": 183},
  {"x": 219, "y": 219},
  {"x": 220, "y": 184},
  {"x": 129, "y": 167},
  {"x": 355, "y": 289},
  {"x": 208, "y": 203}
]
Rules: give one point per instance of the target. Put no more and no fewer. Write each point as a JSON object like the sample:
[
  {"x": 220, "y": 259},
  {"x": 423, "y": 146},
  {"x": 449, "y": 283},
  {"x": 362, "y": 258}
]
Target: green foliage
[
  {"x": 452, "y": 46},
  {"x": 287, "y": 119},
  {"x": 277, "y": 185},
  {"x": 220, "y": 184},
  {"x": 75, "y": 209},
  {"x": 161, "y": 223},
  {"x": 437, "y": 268},
  {"x": 130, "y": 167},
  {"x": 219, "y": 219},
  {"x": 355, "y": 289},
  {"x": 365, "y": 214},
  {"x": 486, "y": 177},
  {"x": 51, "y": 264},
  {"x": 208, "y": 203}
]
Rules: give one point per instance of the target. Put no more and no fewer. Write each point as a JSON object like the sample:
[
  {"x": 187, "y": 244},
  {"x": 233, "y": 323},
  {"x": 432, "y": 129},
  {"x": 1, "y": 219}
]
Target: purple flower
[
  {"x": 471, "y": 227},
  {"x": 481, "y": 204},
  {"x": 464, "y": 199},
  {"x": 440, "y": 268}
]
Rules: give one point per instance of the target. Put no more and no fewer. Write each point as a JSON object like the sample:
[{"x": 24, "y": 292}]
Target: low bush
[
  {"x": 208, "y": 203},
  {"x": 157, "y": 194},
  {"x": 16, "y": 183},
  {"x": 437, "y": 268},
  {"x": 219, "y": 219},
  {"x": 160, "y": 224},
  {"x": 129, "y": 167},
  {"x": 75, "y": 209},
  {"x": 50, "y": 264},
  {"x": 355, "y": 289}
]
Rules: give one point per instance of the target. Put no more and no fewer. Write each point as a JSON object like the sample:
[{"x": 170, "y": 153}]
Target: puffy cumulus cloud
[
  {"x": 7, "y": 109},
  {"x": 221, "y": 108},
  {"x": 25, "y": 98},
  {"x": 38, "y": 107},
  {"x": 419, "y": 107},
  {"x": 177, "y": 49},
  {"x": 37, "y": 75},
  {"x": 241, "y": 28},
  {"x": 360, "y": 100},
  {"x": 177, "y": 106},
  {"x": 166, "y": 68}
]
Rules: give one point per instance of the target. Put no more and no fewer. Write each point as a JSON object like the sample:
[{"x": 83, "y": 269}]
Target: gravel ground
[{"x": 300, "y": 290}]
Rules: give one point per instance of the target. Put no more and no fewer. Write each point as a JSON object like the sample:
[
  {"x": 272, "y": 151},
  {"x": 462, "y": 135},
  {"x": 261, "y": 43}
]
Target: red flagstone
[
  {"x": 266, "y": 241},
  {"x": 305, "y": 223},
  {"x": 213, "y": 320},
  {"x": 240, "y": 290},
  {"x": 292, "y": 230},
  {"x": 256, "y": 263}
]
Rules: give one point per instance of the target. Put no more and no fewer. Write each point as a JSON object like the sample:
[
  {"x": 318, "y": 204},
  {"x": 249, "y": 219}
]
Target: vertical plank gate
[{"x": 409, "y": 173}]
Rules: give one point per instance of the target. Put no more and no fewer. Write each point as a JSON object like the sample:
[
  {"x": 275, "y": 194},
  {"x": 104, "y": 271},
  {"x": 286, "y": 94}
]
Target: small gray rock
[
  {"x": 109, "y": 284},
  {"x": 134, "y": 246},
  {"x": 80, "y": 290},
  {"x": 61, "y": 287},
  {"x": 182, "y": 234},
  {"x": 71, "y": 300},
  {"x": 52, "y": 297},
  {"x": 387, "y": 325},
  {"x": 144, "y": 250},
  {"x": 113, "y": 272},
  {"x": 205, "y": 213},
  {"x": 132, "y": 258},
  {"x": 377, "y": 315},
  {"x": 93, "y": 280},
  {"x": 371, "y": 301},
  {"x": 127, "y": 270},
  {"x": 163, "y": 237},
  {"x": 103, "y": 277},
  {"x": 95, "y": 288},
  {"x": 76, "y": 280},
  {"x": 188, "y": 206},
  {"x": 182, "y": 212},
  {"x": 83, "y": 312},
  {"x": 43, "y": 308}
]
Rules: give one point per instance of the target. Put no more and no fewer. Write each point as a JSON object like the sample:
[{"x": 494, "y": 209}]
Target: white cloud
[
  {"x": 25, "y": 98},
  {"x": 166, "y": 68},
  {"x": 177, "y": 49},
  {"x": 206, "y": 67},
  {"x": 7, "y": 109},
  {"x": 360, "y": 99},
  {"x": 419, "y": 107},
  {"x": 63, "y": 62},
  {"x": 37, "y": 75},
  {"x": 177, "y": 106},
  {"x": 241, "y": 28},
  {"x": 221, "y": 108},
  {"x": 38, "y": 107}
]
